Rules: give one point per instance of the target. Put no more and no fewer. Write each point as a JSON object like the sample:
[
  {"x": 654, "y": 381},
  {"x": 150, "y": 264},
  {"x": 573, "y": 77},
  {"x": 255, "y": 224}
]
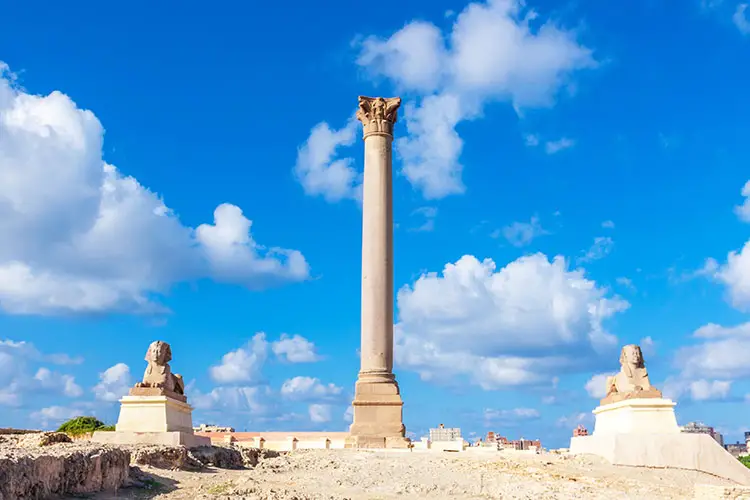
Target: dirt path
[{"x": 360, "y": 475}]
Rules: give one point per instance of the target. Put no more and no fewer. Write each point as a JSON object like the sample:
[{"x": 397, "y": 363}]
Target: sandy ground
[{"x": 359, "y": 475}]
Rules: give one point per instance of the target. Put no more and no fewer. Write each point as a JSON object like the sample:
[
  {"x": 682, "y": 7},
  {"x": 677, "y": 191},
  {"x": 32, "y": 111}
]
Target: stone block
[
  {"x": 154, "y": 414},
  {"x": 651, "y": 415},
  {"x": 173, "y": 438}
]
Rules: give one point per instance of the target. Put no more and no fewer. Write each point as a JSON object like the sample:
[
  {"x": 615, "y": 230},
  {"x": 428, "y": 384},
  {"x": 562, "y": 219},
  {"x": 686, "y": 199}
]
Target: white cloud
[
  {"x": 743, "y": 211},
  {"x": 573, "y": 420},
  {"x": 740, "y": 19},
  {"x": 521, "y": 234},
  {"x": 319, "y": 413},
  {"x": 491, "y": 415},
  {"x": 349, "y": 414},
  {"x": 254, "y": 400},
  {"x": 625, "y": 282},
  {"x": 18, "y": 380},
  {"x": 720, "y": 354},
  {"x": 602, "y": 247},
  {"x": 503, "y": 328},
  {"x": 697, "y": 390},
  {"x": 735, "y": 275},
  {"x": 429, "y": 214},
  {"x": 608, "y": 224},
  {"x": 76, "y": 235},
  {"x": 243, "y": 364},
  {"x": 552, "y": 147},
  {"x": 309, "y": 388},
  {"x": 63, "y": 383},
  {"x": 114, "y": 383},
  {"x": 321, "y": 172},
  {"x": 531, "y": 140},
  {"x": 492, "y": 53},
  {"x": 54, "y": 415},
  {"x": 648, "y": 346},
  {"x": 294, "y": 349},
  {"x": 596, "y": 386}
]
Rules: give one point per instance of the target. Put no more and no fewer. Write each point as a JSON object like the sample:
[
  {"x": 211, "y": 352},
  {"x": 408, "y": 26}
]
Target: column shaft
[{"x": 377, "y": 257}]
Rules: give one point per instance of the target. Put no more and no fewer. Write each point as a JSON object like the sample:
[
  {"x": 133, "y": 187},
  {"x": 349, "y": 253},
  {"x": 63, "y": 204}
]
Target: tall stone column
[{"x": 378, "y": 416}]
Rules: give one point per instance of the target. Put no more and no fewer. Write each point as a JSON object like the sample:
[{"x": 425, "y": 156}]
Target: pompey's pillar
[{"x": 378, "y": 415}]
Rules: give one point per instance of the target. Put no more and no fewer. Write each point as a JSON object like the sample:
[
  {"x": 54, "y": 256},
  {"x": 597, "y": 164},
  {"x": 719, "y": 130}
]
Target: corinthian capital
[{"x": 378, "y": 114}]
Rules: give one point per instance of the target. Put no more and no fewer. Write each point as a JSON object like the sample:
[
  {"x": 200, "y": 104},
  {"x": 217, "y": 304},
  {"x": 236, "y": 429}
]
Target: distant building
[
  {"x": 212, "y": 428},
  {"x": 527, "y": 444},
  {"x": 737, "y": 448},
  {"x": 580, "y": 431},
  {"x": 443, "y": 433},
  {"x": 701, "y": 428}
]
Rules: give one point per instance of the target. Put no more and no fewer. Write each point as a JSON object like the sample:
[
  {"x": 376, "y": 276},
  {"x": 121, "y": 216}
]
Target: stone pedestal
[
  {"x": 378, "y": 419},
  {"x": 644, "y": 433},
  {"x": 154, "y": 414},
  {"x": 154, "y": 419},
  {"x": 636, "y": 416}
]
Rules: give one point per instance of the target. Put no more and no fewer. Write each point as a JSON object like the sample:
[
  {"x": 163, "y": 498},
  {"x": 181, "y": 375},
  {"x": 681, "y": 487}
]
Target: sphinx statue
[
  {"x": 632, "y": 381},
  {"x": 158, "y": 374}
]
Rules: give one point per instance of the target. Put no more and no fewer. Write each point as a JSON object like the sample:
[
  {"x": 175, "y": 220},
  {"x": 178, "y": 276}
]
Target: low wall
[{"x": 280, "y": 441}]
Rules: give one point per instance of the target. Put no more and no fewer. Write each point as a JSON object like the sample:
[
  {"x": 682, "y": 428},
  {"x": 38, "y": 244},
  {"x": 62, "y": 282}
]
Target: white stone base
[
  {"x": 189, "y": 440},
  {"x": 651, "y": 416},
  {"x": 154, "y": 414},
  {"x": 677, "y": 451},
  {"x": 644, "y": 433}
]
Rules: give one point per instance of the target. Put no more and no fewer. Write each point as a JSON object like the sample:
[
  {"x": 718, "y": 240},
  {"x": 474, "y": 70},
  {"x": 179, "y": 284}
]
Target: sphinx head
[
  {"x": 159, "y": 352},
  {"x": 631, "y": 355}
]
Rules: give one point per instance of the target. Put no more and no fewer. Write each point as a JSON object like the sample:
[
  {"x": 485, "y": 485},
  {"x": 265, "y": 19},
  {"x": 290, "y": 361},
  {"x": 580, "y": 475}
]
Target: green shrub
[
  {"x": 745, "y": 460},
  {"x": 84, "y": 425}
]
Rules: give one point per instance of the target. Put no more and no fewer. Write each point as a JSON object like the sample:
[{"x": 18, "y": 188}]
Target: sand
[{"x": 348, "y": 474}]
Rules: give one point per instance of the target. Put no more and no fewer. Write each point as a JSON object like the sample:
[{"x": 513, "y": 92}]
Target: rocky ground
[
  {"x": 227, "y": 473},
  {"x": 360, "y": 475}
]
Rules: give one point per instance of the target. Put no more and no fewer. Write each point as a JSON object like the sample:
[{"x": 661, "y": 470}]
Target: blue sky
[{"x": 568, "y": 178}]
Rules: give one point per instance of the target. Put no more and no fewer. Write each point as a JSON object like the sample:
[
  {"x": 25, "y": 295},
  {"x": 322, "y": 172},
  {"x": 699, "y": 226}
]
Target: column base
[{"x": 378, "y": 413}]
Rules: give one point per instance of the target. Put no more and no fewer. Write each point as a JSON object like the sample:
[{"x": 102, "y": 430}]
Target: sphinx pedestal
[
  {"x": 164, "y": 419},
  {"x": 644, "y": 433}
]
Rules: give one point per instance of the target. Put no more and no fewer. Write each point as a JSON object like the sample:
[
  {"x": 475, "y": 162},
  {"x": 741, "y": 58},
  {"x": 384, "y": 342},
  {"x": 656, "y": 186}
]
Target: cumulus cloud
[
  {"x": 506, "y": 416},
  {"x": 79, "y": 236},
  {"x": 495, "y": 51},
  {"x": 743, "y": 211},
  {"x": 608, "y": 224},
  {"x": 740, "y": 19},
  {"x": 552, "y": 147},
  {"x": 720, "y": 353},
  {"x": 428, "y": 214},
  {"x": 734, "y": 274},
  {"x": 255, "y": 400},
  {"x": 295, "y": 349},
  {"x": 506, "y": 327},
  {"x": 319, "y": 169},
  {"x": 349, "y": 414},
  {"x": 309, "y": 388},
  {"x": 601, "y": 247},
  {"x": 243, "y": 364},
  {"x": 65, "y": 384},
  {"x": 54, "y": 415},
  {"x": 574, "y": 419},
  {"x": 596, "y": 386},
  {"x": 19, "y": 379},
  {"x": 114, "y": 383},
  {"x": 319, "y": 413},
  {"x": 697, "y": 390},
  {"x": 520, "y": 234}
]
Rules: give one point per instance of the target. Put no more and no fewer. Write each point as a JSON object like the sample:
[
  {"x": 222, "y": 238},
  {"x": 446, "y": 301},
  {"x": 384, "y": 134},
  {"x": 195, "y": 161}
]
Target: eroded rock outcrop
[{"x": 30, "y": 474}]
